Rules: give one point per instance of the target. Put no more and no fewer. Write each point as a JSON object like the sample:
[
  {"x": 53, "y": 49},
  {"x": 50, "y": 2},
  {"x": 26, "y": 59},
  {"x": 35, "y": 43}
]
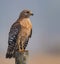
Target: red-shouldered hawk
[{"x": 19, "y": 34}]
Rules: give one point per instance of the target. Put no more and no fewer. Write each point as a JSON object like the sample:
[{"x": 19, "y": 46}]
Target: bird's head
[{"x": 26, "y": 13}]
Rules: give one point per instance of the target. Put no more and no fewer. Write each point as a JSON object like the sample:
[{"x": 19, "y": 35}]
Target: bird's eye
[{"x": 27, "y": 12}]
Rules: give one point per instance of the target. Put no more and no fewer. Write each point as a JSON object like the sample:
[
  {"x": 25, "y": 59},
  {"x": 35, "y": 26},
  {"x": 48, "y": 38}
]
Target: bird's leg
[
  {"x": 19, "y": 47},
  {"x": 18, "y": 44},
  {"x": 22, "y": 50}
]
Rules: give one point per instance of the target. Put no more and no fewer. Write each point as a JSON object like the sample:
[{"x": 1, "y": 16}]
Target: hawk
[{"x": 19, "y": 34}]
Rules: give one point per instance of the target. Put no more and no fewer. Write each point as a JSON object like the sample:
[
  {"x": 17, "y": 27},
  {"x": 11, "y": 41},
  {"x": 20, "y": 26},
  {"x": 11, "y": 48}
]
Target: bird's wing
[
  {"x": 13, "y": 35},
  {"x": 27, "y": 39},
  {"x": 30, "y": 33},
  {"x": 12, "y": 39}
]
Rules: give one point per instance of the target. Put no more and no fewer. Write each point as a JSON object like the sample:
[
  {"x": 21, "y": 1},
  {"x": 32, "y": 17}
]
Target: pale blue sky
[{"x": 46, "y": 21}]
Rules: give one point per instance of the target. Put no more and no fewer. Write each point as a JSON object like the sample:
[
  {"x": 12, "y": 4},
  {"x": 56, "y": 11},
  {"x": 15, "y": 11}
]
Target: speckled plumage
[{"x": 19, "y": 34}]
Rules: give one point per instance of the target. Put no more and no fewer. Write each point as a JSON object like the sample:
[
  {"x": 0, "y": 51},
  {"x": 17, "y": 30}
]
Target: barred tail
[{"x": 10, "y": 52}]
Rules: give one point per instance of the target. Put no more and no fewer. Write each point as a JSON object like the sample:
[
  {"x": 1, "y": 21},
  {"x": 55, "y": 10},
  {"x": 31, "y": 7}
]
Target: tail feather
[{"x": 10, "y": 53}]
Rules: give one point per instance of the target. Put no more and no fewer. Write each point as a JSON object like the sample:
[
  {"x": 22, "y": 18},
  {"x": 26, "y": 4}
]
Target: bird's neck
[
  {"x": 26, "y": 23},
  {"x": 23, "y": 16},
  {"x": 24, "y": 19}
]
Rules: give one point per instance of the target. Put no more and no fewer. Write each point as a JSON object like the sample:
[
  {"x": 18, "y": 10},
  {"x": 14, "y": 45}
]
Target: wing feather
[
  {"x": 30, "y": 33},
  {"x": 12, "y": 40},
  {"x": 27, "y": 39}
]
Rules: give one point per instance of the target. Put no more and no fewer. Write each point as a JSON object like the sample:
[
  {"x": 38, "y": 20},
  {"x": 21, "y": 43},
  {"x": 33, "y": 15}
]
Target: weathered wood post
[{"x": 21, "y": 57}]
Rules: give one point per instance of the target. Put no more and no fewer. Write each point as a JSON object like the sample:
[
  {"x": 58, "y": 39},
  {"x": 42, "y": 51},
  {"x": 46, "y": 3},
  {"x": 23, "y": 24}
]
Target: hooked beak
[{"x": 32, "y": 14}]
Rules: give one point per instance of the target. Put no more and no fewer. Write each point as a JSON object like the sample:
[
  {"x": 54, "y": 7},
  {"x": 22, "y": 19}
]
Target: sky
[{"x": 46, "y": 22}]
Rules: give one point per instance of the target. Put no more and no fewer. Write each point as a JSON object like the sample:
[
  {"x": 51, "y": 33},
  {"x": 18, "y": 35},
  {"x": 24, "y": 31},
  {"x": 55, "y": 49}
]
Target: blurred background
[{"x": 46, "y": 24}]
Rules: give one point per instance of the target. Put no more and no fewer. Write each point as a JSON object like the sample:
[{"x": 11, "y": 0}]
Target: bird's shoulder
[{"x": 15, "y": 25}]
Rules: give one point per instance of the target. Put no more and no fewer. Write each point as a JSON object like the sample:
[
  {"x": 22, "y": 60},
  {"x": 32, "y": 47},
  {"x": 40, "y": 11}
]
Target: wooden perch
[{"x": 21, "y": 57}]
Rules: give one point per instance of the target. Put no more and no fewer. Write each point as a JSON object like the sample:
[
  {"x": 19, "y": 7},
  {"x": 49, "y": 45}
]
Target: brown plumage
[{"x": 19, "y": 34}]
